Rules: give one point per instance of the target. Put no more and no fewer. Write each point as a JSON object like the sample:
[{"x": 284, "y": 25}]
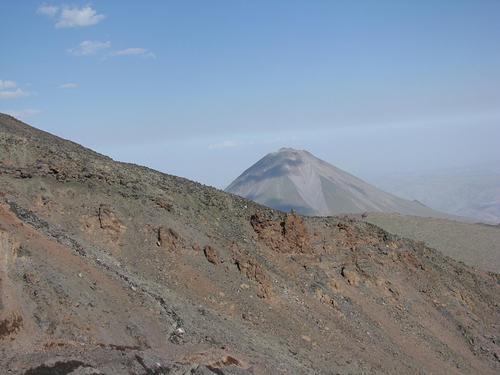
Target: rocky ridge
[{"x": 112, "y": 268}]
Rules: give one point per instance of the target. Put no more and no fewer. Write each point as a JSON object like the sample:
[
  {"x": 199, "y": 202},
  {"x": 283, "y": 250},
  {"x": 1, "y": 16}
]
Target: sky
[{"x": 203, "y": 89}]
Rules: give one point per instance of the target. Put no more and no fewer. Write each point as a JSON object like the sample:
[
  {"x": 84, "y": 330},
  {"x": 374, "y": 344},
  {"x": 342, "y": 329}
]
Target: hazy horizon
[{"x": 203, "y": 91}]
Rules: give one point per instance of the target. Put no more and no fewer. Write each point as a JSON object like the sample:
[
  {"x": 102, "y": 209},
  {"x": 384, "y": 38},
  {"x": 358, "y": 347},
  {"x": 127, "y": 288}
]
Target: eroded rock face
[
  {"x": 10, "y": 324},
  {"x": 11, "y": 320},
  {"x": 289, "y": 235},
  {"x": 168, "y": 238},
  {"x": 351, "y": 275},
  {"x": 212, "y": 255},
  {"x": 253, "y": 271},
  {"x": 109, "y": 221}
]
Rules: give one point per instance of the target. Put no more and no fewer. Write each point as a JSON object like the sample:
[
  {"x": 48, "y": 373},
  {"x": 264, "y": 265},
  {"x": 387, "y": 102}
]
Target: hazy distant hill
[
  {"x": 293, "y": 179},
  {"x": 470, "y": 192}
]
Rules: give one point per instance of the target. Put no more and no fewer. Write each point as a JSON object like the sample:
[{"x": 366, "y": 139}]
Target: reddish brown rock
[
  {"x": 211, "y": 254},
  {"x": 289, "y": 235},
  {"x": 109, "y": 221},
  {"x": 350, "y": 275},
  {"x": 168, "y": 238},
  {"x": 10, "y": 324},
  {"x": 253, "y": 271}
]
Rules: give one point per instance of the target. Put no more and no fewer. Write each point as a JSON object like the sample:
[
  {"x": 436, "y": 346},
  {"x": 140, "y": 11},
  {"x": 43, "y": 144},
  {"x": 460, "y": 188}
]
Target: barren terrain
[
  {"x": 477, "y": 245},
  {"x": 113, "y": 268}
]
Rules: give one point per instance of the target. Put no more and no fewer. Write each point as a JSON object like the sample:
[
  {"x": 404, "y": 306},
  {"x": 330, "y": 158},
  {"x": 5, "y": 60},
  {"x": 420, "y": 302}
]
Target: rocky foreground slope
[{"x": 112, "y": 268}]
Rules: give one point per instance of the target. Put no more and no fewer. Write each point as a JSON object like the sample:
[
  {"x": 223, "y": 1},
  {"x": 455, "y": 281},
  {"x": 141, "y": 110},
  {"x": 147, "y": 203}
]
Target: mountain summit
[{"x": 296, "y": 179}]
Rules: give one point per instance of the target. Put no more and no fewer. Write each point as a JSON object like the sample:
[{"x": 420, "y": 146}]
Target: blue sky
[{"x": 203, "y": 89}]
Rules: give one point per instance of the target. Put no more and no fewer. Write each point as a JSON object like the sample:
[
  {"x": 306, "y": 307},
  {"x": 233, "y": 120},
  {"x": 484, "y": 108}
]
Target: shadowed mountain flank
[
  {"x": 113, "y": 268},
  {"x": 296, "y": 179}
]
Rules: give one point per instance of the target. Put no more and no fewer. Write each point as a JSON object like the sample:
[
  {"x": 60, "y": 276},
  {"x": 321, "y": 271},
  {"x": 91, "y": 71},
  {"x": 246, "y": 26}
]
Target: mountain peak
[
  {"x": 292, "y": 151},
  {"x": 296, "y": 179}
]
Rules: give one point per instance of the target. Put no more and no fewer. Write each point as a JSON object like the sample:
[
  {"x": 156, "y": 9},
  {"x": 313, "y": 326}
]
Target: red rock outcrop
[{"x": 289, "y": 235}]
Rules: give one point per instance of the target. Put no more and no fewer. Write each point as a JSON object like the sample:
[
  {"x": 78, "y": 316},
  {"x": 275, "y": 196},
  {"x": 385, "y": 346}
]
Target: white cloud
[
  {"x": 13, "y": 94},
  {"x": 9, "y": 90},
  {"x": 48, "y": 10},
  {"x": 224, "y": 144},
  {"x": 78, "y": 17},
  {"x": 22, "y": 113},
  {"x": 7, "y": 85},
  {"x": 133, "y": 52},
  {"x": 69, "y": 85},
  {"x": 71, "y": 16},
  {"x": 89, "y": 47},
  {"x": 129, "y": 51}
]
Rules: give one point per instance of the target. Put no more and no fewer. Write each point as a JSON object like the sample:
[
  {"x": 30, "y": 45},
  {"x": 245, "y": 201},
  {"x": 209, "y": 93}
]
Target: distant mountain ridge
[
  {"x": 472, "y": 192},
  {"x": 296, "y": 179}
]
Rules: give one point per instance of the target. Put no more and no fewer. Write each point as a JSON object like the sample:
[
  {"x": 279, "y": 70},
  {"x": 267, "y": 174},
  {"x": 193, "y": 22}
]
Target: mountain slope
[
  {"x": 113, "y": 268},
  {"x": 477, "y": 245},
  {"x": 293, "y": 179}
]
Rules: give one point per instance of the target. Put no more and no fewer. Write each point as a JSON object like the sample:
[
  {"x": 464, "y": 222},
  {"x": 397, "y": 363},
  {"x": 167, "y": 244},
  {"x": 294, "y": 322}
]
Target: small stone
[
  {"x": 351, "y": 276},
  {"x": 211, "y": 254}
]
